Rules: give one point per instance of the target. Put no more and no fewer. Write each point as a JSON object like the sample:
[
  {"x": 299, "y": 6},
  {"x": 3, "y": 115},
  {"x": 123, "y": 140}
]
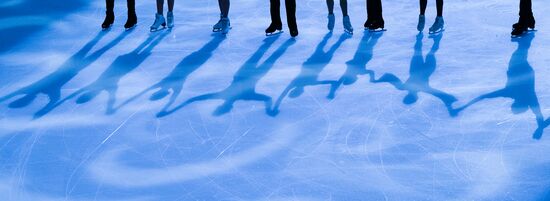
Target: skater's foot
[
  {"x": 274, "y": 29},
  {"x": 294, "y": 33},
  {"x": 377, "y": 25},
  {"x": 347, "y": 25},
  {"x": 421, "y": 23},
  {"x": 367, "y": 24},
  {"x": 331, "y": 21},
  {"x": 159, "y": 21},
  {"x": 438, "y": 26},
  {"x": 109, "y": 20},
  {"x": 170, "y": 19},
  {"x": 519, "y": 29},
  {"x": 132, "y": 20},
  {"x": 225, "y": 25}
]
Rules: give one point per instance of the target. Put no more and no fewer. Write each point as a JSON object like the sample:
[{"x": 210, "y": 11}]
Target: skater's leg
[
  {"x": 291, "y": 17},
  {"x": 439, "y": 4},
  {"x": 330, "y": 6},
  {"x": 379, "y": 9},
  {"x": 110, "y": 5},
  {"x": 224, "y": 7},
  {"x": 275, "y": 9},
  {"x": 170, "y": 5},
  {"x": 131, "y": 4},
  {"x": 423, "y": 4},
  {"x": 160, "y": 6},
  {"x": 344, "y": 7},
  {"x": 525, "y": 9}
]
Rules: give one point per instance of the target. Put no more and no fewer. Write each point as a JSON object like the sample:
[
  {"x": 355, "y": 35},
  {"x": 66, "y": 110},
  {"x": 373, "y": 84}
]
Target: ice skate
[
  {"x": 225, "y": 25},
  {"x": 367, "y": 24},
  {"x": 131, "y": 22},
  {"x": 331, "y": 21},
  {"x": 293, "y": 28},
  {"x": 109, "y": 20},
  {"x": 523, "y": 26},
  {"x": 218, "y": 26},
  {"x": 421, "y": 23},
  {"x": 347, "y": 25},
  {"x": 274, "y": 29},
  {"x": 438, "y": 26},
  {"x": 376, "y": 26},
  {"x": 170, "y": 19},
  {"x": 159, "y": 21}
]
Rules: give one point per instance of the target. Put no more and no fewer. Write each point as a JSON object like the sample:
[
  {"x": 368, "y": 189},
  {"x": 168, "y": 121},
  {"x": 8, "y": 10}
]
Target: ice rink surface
[{"x": 185, "y": 114}]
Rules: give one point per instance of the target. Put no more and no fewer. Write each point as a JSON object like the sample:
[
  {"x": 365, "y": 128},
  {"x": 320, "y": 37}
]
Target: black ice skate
[
  {"x": 274, "y": 29},
  {"x": 109, "y": 20},
  {"x": 131, "y": 22},
  {"x": 523, "y": 26}
]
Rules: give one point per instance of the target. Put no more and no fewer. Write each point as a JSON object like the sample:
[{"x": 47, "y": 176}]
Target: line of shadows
[
  {"x": 420, "y": 72},
  {"x": 109, "y": 79},
  {"x": 520, "y": 86},
  {"x": 173, "y": 82},
  {"x": 51, "y": 84},
  {"x": 311, "y": 69},
  {"x": 243, "y": 86}
]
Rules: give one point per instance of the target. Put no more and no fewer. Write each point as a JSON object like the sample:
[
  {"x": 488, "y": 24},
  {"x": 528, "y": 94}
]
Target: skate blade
[
  {"x": 130, "y": 28},
  {"x": 107, "y": 28},
  {"x": 274, "y": 33},
  {"x": 437, "y": 31},
  {"x": 216, "y": 29},
  {"x": 376, "y": 30},
  {"x": 348, "y": 32},
  {"x": 158, "y": 29}
]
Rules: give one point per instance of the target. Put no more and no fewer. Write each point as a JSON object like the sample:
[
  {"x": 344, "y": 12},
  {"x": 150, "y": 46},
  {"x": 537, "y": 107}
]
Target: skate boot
[
  {"x": 331, "y": 19},
  {"x": 159, "y": 21},
  {"x": 377, "y": 26},
  {"x": 132, "y": 20},
  {"x": 109, "y": 20},
  {"x": 347, "y": 25},
  {"x": 225, "y": 25},
  {"x": 523, "y": 26},
  {"x": 218, "y": 26},
  {"x": 170, "y": 19},
  {"x": 421, "y": 23},
  {"x": 438, "y": 26},
  {"x": 293, "y": 27},
  {"x": 274, "y": 29}
]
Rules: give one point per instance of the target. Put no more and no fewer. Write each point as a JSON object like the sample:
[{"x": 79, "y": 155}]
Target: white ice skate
[
  {"x": 347, "y": 25},
  {"x": 159, "y": 21},
  {"x": 438, "y": 26}
]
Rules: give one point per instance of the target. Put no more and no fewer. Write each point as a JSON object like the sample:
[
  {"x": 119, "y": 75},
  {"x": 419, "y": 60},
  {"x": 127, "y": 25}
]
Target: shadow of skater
[
  {"x": 419, "y": 75},
  {"x": 358, "y": 65},
  {"x": 311, "y": 69},
  {"x": 173, "y": 83},
  {"x": 243, "y": 86},
  {"x": 121, "y": 66},
  {"x": 51, "y": 84},
  {"x": 520, "y": 85}
]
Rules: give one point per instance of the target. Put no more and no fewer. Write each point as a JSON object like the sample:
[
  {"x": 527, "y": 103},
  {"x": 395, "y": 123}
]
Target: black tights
[
  {"x": 275, "y": 10},
  {"x": 343, "y": 5},
  {"x": 439, "y": 4},
  {"x": 131, "y": 4},
  {"x": 224, "y": 7},
  {"x": 525, "y": 9},
  {"x": 374, "y": 9}
]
